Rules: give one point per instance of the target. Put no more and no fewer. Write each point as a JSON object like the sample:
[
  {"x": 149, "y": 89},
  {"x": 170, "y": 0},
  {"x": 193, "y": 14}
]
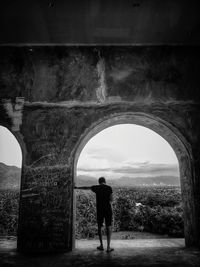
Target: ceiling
[{"x": 100, "y": 22}]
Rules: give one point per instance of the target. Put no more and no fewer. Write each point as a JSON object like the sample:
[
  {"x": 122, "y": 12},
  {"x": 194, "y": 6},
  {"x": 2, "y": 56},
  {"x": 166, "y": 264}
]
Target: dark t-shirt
[{"x": 103, "y": 193}]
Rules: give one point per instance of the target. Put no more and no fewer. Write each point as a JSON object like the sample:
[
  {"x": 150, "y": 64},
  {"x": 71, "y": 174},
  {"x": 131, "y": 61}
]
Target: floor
[{"x": 137, "y": 252}]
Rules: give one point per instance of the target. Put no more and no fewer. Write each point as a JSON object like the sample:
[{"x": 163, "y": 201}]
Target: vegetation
[
  {"x": 9, "y": 207},
  {"x": 160, "y": 211},
  {"x": 151, "y": 209}
]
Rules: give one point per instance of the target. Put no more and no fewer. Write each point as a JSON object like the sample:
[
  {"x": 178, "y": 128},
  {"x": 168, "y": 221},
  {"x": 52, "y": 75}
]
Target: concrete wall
[
  {"x": 99, "y": 21},
  {"x": 55, "y": 98}
]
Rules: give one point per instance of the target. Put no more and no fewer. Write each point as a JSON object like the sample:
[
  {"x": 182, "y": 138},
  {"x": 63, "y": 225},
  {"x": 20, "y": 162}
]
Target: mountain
[
  {"x": 149, "y": 181},
  {"x": 10, "y": 179},
  {"x": 83, "y": 180},
  {"x": 9, "y": 176}
]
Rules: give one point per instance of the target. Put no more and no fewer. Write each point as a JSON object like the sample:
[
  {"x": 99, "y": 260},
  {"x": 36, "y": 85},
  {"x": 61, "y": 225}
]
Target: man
[{"x": 104, "y": 198}]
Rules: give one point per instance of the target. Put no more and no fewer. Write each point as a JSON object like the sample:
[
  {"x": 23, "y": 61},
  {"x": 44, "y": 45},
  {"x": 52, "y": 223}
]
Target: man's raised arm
[{"x": 82, "y": 187}]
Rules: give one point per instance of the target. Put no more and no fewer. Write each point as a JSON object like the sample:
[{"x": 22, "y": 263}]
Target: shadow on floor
[{"x": 138, "y": 252}]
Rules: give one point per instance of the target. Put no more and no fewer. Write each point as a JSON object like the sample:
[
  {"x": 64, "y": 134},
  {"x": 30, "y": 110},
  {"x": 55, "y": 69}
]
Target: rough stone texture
[
  {"x": 57, "y": 74},
  {"x": 71, "y": 93},
  {"x": 45, "y": 200}
]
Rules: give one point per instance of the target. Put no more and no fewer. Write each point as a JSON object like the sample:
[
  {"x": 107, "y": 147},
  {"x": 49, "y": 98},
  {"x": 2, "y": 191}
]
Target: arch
[
  {"x": 178, "y": 143},
  {"x": 17, "y": 139}
]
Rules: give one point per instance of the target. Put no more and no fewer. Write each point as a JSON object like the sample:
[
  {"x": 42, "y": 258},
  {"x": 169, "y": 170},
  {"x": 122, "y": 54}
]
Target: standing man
[{"x": 104, "y": 197}]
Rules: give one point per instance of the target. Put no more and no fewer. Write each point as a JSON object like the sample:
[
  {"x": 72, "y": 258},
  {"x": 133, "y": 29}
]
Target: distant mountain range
[
  {"x": 131, "y": 182},
  {"x": 10, "y": 177}
]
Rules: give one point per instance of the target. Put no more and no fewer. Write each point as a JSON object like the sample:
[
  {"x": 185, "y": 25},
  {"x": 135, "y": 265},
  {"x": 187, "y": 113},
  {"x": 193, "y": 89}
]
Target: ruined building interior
[{"x": 69, "y": 69}]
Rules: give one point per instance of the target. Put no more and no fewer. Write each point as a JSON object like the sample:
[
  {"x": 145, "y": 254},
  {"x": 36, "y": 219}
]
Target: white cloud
[
  {"x": 130, "y": 150},
  {"x": 137, "y": 170},
  {"x": 109, "y": 153}
]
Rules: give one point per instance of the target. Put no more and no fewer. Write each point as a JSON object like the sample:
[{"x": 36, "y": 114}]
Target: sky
[
  {"x": 10, "y": 151},
  {"x": 127, "y": 150},
  {"x": 121, "y": 150}
]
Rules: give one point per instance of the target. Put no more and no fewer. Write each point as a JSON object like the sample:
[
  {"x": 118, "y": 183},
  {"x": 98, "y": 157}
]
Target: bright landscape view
[
  {"x": 143, "y": 170},
  {"x": 139, "y": 164}
]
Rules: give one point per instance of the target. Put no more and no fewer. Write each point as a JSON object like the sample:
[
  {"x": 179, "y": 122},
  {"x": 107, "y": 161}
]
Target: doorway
[
  {"x": 173, "y": 138},
  {"x": 143, "y": 171}
]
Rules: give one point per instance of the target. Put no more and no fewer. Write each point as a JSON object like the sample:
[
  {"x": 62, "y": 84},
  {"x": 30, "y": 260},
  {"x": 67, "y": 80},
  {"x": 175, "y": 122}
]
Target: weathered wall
[
  {"x": 53, "y": 96},
  {"x": 99, "y": 74},
  {"x": 99, "y": 21}
]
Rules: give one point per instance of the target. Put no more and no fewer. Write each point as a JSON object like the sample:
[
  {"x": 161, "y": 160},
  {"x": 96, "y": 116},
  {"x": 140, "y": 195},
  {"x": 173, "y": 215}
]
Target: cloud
[
  {"x": 103, "y": 153},
  {"x": 99, "y": 159},
  {"x": 94, "y": 169},
  {"x": 137, "y": 169},
  {"x": 146, "y": 168}
]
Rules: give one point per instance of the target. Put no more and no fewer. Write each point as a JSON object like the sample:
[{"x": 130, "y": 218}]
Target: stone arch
[
  {"x": 4, "y": 122},
  {"x": 18, "y": 140},
  {"x": 178, "y": 143}
]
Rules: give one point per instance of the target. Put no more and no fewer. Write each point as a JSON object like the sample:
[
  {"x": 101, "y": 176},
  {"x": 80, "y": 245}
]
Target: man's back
[{"x": 103, "y": 196}]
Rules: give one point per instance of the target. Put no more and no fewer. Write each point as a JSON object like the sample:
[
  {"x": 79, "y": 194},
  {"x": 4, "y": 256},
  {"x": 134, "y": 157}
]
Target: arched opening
[
  {"x": 143, "y": 171},
  {"x": 175, "y": 140},
  {"x": 10, "y": 179}
]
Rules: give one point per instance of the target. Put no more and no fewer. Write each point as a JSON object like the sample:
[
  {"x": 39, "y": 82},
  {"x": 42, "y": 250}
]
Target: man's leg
[
  {"x": 100, "y": 219},
  {"x": 100, "y": 237},
  {"x": 108, "y": 234},
  {"x": 108, "y": 220}
]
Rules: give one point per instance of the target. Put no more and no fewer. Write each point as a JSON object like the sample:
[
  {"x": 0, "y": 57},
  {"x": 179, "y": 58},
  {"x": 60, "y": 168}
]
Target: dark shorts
[{"x": 104, "y": 215}]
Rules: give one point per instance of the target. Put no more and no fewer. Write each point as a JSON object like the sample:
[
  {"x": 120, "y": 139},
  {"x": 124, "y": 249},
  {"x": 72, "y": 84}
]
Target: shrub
[
  {"x": 9, "y": 206},
  {"x": 160, "y": 213}
]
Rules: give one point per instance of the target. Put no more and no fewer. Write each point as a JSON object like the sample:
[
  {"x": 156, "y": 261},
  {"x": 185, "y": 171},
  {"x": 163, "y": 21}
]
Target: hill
[
  {"x": 149, "y": 181},
  {"x": 83, "y": 180},
  {"x": 9, "y": 176},
  {"x": 10, "y": 179}
]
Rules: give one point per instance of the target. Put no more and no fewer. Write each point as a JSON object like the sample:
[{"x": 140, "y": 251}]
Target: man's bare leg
[
  {"x": 100, "y": 238},
  {"x": 108, "y": 234}
]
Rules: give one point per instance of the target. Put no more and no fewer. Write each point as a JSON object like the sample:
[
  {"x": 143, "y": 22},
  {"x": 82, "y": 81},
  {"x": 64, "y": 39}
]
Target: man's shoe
[{"x": 100, "y": 248}]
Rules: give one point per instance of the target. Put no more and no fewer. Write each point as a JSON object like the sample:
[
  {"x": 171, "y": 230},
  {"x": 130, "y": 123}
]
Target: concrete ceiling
[{"x": 100, "y": 22}]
